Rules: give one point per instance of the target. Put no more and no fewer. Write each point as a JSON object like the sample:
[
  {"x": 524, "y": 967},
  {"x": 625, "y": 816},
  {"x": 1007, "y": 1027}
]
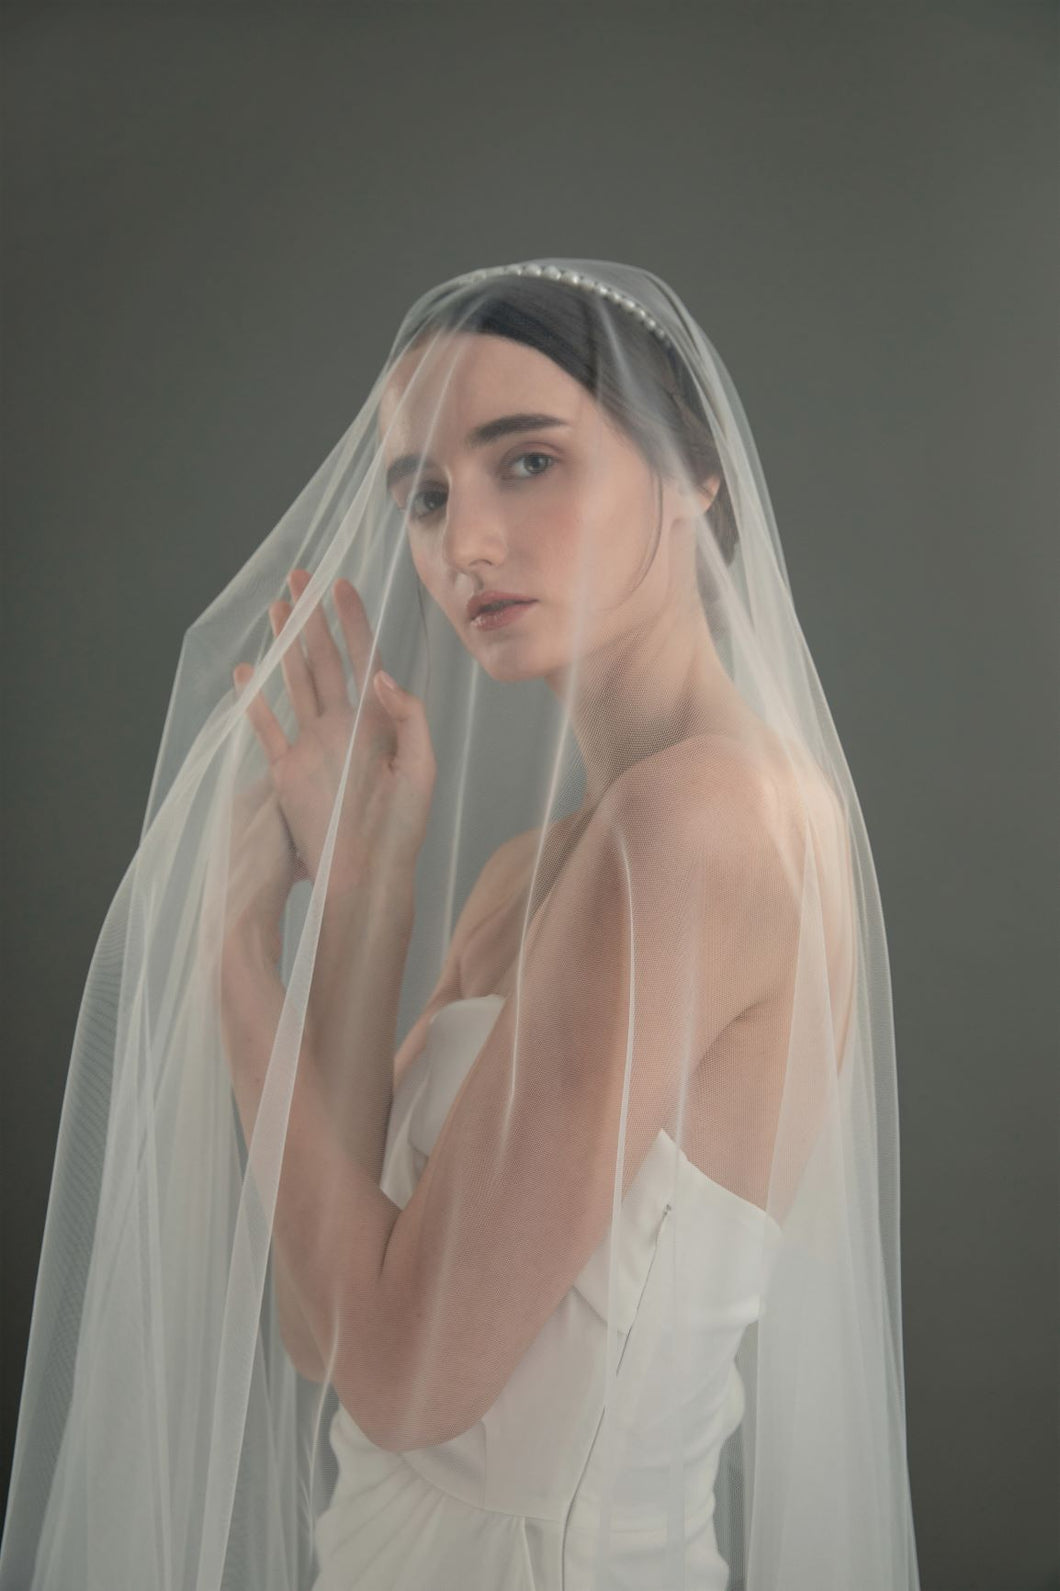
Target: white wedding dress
[{"x": 512, "y": 1504}]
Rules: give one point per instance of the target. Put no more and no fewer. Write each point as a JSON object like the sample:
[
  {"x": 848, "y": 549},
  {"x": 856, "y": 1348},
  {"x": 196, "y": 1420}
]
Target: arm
[
  {"x": 661, "y": 930},
  {"x": 332, "y": 1221},
  {"x": 494, "y": 880}
]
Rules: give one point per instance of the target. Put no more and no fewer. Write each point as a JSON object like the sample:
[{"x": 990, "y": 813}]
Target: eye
[
  {"x": 546, "y": 456},
  {"x": 414, "y": 513},
  {"x": 431, "y": 491}
]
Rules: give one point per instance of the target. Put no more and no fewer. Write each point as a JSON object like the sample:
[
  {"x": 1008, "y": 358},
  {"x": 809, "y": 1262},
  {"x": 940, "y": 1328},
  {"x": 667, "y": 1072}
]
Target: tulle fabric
[{"x": 636, "y": 1320}]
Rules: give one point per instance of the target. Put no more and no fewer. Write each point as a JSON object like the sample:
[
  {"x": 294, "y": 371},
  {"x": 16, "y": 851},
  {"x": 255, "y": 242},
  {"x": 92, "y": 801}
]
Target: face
[{"x": 562, "y": 511}]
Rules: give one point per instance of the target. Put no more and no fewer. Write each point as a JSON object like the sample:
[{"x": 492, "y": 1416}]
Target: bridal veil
[{"x": 629, "y": 756}]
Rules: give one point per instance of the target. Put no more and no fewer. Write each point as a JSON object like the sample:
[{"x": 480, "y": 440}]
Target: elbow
[
  {"x": 411, "y": 1434},
  {"x": 384, "y": 1423},
  {"x": 401, "y": 1412},
  {"x": 406, "y": 1385},
  {"x": 309, "y": 1368},
  {"x": 371, "y": 1396}
]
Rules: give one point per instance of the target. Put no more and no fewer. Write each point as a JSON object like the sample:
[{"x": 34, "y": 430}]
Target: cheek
[{"x": 597, "y": 544}]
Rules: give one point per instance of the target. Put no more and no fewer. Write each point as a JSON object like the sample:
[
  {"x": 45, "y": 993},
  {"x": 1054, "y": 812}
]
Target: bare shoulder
[
  {"x": 723, "y": 819},
  {"x": 501, "y": 878},
  {"x": 749, "y": 814},
  {"x": 504, "y": 869},
  {"x": 727, "y": 817},
  {"x": 711, "y": 786}
]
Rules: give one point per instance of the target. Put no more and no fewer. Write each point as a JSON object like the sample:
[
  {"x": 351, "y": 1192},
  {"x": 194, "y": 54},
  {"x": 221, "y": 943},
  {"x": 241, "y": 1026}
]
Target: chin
[
  {"x": 508, "y": 658},
  {"x": 506, "y": 670}
]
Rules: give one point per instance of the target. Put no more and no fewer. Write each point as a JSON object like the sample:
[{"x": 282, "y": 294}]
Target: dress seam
[{"x": 667, "y": 1207}]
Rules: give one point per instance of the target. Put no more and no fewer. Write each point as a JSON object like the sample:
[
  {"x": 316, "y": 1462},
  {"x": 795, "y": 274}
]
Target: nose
[{"x": 473, "y": 532}]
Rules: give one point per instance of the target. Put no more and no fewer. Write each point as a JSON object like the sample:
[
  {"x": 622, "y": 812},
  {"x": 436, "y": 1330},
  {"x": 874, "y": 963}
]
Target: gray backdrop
[{"x": 214, "y": 217}]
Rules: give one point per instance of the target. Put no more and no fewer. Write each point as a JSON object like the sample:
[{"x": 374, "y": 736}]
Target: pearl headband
[{"x": 573, "y": 279}]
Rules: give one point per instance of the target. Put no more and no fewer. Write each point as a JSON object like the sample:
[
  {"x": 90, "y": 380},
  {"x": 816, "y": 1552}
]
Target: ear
[
  {"x": 707, "y": 493},
  {"x": 691, "y": 503}
]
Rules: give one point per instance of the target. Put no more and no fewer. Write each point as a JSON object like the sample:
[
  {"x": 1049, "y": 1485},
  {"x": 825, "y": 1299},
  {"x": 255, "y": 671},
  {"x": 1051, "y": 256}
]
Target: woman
[{"x": 596, "y": 1280}]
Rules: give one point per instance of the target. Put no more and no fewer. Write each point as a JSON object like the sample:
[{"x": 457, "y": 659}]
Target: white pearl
[{"x": 575, "y": 279}]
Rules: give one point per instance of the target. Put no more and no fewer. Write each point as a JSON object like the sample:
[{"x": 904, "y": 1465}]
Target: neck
[{"x": 638, "y": 694}]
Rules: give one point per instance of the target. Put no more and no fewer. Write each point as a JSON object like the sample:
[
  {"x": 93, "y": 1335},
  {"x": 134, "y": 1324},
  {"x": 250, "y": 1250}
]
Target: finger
[
  {"x": 323, "y": 656},
  {"x": 298, "y": 679},
  {"x": 263, "y": 720},
  {"x": 406, "y": 711},
  {"x": 356, "y": 630}
]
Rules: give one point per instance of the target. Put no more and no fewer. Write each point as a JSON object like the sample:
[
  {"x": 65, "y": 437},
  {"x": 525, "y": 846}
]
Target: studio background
[{"x": 214, "y": 219}]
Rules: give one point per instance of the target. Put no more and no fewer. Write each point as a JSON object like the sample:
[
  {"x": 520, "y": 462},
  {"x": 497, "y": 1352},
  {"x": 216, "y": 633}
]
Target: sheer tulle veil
[{"x": 602, "y": 1277}]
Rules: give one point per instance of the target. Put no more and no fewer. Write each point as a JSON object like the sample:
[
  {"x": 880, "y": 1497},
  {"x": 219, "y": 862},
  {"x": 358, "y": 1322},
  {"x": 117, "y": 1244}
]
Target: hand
[{"x": 390, "y": 779}]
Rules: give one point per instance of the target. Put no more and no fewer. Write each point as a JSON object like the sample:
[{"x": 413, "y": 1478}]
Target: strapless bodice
[{"x": 517, "y": 1496}]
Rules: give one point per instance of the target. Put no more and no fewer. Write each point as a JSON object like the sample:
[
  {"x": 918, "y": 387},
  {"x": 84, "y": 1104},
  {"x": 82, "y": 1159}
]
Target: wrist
[
  {"x": 382, "y": 896},
  {"x": 363, "y": 943}
]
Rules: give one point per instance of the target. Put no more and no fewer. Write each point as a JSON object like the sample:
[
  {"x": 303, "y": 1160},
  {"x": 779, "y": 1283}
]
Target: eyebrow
[{"x": 479, "y": 436}]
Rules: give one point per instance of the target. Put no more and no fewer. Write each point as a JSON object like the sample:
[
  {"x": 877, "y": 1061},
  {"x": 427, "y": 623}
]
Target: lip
[
  {"x": 481, "y": 598},
  {"x": 494, "y": 621}
]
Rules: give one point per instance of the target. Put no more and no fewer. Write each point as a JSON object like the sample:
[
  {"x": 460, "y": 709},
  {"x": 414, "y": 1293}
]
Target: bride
[{"x": 594, "y": 1273}]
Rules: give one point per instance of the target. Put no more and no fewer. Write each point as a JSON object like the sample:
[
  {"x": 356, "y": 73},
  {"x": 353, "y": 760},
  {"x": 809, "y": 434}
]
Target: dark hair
[{"x": 591, "y": 339}]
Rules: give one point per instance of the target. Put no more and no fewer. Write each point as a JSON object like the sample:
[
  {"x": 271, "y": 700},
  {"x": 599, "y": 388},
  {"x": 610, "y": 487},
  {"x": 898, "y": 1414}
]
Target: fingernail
[{"x": 385, "y": 677}]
